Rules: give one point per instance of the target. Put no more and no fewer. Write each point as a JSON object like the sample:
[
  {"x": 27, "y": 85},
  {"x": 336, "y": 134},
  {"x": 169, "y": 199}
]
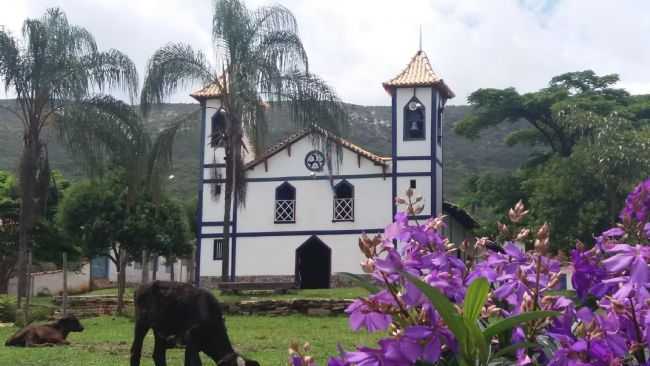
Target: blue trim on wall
[
  {"x": 306, "y": 177},
  {"x": 215, "y": 165},
  {"x": 434, "y": 152},
  {"x": 414, "y": 157},
  {"x": 394, "y": 151},
  {"x": 213, "y": 223},
  {"x": 199, "y": 207},
  {"x": 296, "y": 233}
]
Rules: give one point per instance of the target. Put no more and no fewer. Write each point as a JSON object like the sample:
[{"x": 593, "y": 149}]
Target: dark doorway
[{"x": 313, "y": 264}]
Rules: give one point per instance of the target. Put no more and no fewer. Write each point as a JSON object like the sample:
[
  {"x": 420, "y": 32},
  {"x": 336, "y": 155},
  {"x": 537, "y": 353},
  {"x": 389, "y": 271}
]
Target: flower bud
[
  {"x": 400, "y": 201},
  {"x": 543, "y": 231},
  {"x": 523, "y": 234},
  {"x": 503, "y": 229},
  {"x": 368, "y": 265},
  {"x": 517, "y": 213},
  {"x": 541, "y": 246},
  {"x": 409, "y": 192}
]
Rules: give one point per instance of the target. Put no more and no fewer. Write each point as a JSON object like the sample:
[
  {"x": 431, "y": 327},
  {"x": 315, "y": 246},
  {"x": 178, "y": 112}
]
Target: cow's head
[{"x": 70, "y": 323}]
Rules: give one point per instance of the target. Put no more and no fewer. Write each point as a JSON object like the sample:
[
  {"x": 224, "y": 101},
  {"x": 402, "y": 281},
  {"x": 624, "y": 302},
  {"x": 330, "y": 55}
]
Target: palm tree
[
  {"x": 53, "y": 65},
  {"x": 104, "y": 133},
  {"x": 260, "y": 61}
]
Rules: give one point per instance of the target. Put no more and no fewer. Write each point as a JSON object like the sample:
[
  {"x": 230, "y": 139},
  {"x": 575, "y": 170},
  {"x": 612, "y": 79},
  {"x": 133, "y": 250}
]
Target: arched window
[
  {"x": 218, "y": 123},
  {"x": 343, "y": 201},
  {"x": 414, "y": 120},
  {"x": 285, "y": 204}
]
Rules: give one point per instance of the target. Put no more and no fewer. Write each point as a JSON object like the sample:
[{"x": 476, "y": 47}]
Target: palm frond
[
  {"x": 172, "y": 67},
  {"x": 274, "y": 18},
  {"x": 282, "y": 49},
  {"x": 8, "y": 58},
  {"x": 101, "y": 131},
  {"x": 113, "y": 69},
  {"x": 159, "y": 159},
  {"x": 311, "y": 101}
]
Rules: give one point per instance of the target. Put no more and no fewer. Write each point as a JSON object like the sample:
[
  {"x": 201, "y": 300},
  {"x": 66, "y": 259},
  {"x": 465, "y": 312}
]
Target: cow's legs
[
  {"x": 159, "y": 351},
  {"x": 141, "y": 329},
  {"x": 192, "y": 357}
]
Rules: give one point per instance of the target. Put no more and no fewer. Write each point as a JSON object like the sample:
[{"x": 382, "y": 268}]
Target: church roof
[
  {"x": 418, "y": 73},
  {"x": 210, "y": 90},
  {"x": 379, "y": 160},
  {"x": 460, "y": 215}
]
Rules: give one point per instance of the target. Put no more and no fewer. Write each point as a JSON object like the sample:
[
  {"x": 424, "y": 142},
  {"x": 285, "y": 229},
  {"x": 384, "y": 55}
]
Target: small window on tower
[
  {"x": 413, "y": 184},
  {"x": 414, "y": 120}
]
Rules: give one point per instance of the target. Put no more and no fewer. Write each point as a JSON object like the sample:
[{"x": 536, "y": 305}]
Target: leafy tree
[
  {"x": 96, "y": 216},
  {"x": 544, "y": 110},
  {"x": 598, "y": 151},
  {"x": 56, "y": 64},
  {"x": 106, "y": 134},
  {"x": 260, "y": 62},
  {"x": 48, "y": 243}
]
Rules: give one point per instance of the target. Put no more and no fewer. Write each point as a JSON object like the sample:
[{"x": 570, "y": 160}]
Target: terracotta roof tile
[
  {"x": 380, "y": 160},
  {"x": 418, "y": 73},
  {"x": 211, "y": 90}
]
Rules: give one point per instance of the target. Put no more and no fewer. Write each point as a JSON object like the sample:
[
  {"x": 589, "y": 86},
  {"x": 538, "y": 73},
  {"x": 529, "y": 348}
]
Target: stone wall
[
  {"x": 91, "y": 306},
  {"x": 335, "y": 280}
]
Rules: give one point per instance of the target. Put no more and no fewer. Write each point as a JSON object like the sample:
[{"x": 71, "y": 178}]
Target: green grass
[
  {"x": 106, "y": 341},
  {"x": 330, "y": 293}
]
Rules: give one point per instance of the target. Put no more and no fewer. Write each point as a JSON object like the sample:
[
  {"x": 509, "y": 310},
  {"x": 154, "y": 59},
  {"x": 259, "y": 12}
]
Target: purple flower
[
  {"x": 363, "y": 317},
  {"x": 637, "y": 204}
]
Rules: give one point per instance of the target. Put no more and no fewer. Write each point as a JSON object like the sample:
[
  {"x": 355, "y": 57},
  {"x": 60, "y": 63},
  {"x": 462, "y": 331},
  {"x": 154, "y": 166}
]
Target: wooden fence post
[{"x": 64, "y": 300}]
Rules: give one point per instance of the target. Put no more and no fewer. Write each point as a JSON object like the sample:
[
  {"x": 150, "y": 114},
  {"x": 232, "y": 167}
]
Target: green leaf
[
  {"x": 444, "y": 307},
  {"x": 476, "y": 343},
  {"x": 475, "y": 299},
  {"x": 513, "y": 347},
  {"x": 513, "y": 321},
  {"x": 362, "y": 282}
]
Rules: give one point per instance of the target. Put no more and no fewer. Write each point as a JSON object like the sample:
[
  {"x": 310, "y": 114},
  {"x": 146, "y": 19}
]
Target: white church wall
[
  {"x": 283, "y": 165},
  {"x": 213, "y": 207},
  {"x": 277, "y": 255},
  {"x": 314, "y": 206},
  {"x": 209, "y": 266},
  {"x": 422, "y": 188},
  {"x": 414, "y": 147},
  {"x": 411, "y": 166}
]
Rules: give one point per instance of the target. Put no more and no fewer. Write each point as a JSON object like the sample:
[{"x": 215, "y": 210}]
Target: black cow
[
  {"x": 49, "y": 334},
  {"x": 181, "y": 312}
]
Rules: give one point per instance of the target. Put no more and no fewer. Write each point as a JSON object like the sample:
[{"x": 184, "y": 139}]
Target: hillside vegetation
[{"x": 370, "y": 128}]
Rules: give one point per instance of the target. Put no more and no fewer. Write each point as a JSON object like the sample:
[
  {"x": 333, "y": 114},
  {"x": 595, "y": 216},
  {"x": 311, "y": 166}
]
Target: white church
[{"x": 301, "y": 222}]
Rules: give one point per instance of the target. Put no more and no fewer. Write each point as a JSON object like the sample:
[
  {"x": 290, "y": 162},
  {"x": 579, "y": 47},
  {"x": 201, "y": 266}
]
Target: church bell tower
[{"x": 418, "y": 96}]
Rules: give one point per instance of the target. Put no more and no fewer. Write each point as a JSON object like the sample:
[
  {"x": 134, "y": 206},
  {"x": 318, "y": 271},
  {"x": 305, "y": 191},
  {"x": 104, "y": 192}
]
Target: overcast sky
[{"x": 356, "y": 44}]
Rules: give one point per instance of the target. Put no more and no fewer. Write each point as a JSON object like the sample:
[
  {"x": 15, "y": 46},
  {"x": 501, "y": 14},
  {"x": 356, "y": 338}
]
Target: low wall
[
  {"x": 91, "y": 306},
  {"x": 51, "y": 282},
  {"x": 335, "y": 280}
]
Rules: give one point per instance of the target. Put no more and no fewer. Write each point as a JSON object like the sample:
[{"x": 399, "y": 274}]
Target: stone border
[{"x": 90, "y": 306}]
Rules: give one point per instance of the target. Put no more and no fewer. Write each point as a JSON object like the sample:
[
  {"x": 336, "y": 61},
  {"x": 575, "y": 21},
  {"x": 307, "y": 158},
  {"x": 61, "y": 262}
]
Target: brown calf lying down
[
  {"x": 179, "y": 312},
  {"x": 50, "y": 334}
]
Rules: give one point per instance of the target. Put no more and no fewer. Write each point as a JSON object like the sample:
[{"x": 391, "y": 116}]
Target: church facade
[{"x": 301, "y": 221}]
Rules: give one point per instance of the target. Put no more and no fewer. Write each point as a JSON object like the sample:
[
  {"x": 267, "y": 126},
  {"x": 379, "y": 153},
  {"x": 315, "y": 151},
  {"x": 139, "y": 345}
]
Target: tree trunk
[
  {"x": 27, "y": 218},
  {"x": 145, "y": 266},
  {"x": 171, "y": 270},
  {"x": 154, "y": 273},
  {"x": 121, "y": 280},
  {"x": 190, "y": 267},
  {"x": 225, "y": 262},
  {"x": 7, "y": 269}
]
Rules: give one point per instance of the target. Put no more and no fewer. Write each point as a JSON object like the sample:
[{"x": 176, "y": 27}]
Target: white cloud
[{"x": 355, "y": 45}]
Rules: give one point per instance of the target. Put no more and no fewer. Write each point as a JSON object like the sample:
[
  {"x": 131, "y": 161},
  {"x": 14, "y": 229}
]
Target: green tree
[
  {"x": 48, "y": 245},
  {"x": 95, "y": 216},
  {"x": 260, "y": 59},
  {"x": 54, "y": 65},
  {"x": 545, "y": 110},
  {"x": 597, "y": 137},
  {"x": 106, "y": 135}
]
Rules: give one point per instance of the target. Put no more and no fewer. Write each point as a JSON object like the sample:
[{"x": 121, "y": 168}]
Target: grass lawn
[
  {"x": 330, "y": 293},
  {"x": 106, "y": 341}
]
